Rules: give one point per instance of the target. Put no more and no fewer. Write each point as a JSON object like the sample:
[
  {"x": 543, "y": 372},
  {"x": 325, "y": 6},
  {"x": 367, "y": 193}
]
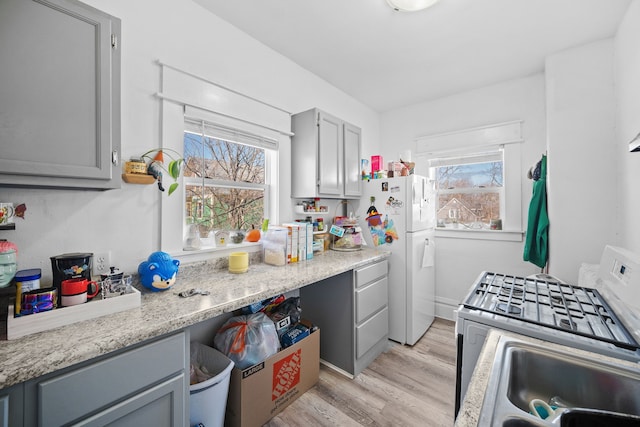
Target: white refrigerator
[{"x": 401, "y": 219}]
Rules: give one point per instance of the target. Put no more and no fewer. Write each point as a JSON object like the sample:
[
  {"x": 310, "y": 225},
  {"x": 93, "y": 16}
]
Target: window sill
[
  {"x": 500, "y": 235},
  {"x": 211, "y": 252}
]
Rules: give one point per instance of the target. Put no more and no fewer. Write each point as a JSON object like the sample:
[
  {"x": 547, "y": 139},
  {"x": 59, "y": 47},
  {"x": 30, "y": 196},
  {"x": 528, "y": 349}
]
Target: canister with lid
[{"x": 26, "y": 280}]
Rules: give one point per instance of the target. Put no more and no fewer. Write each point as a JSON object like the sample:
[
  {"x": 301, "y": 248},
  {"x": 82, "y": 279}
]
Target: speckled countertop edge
[
  {"x": 164, "y": 312},
  {"x": 471, "y": 407}
]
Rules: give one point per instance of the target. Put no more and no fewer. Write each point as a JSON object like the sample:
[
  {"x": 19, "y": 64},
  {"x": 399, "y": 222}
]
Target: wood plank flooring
[{"x": 405, "y": 386}]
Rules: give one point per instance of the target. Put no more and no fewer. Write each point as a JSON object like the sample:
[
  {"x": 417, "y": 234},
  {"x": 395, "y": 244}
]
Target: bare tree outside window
[
  {"x": 225, "y": 188},
  {"x": 469, "y": 194}
]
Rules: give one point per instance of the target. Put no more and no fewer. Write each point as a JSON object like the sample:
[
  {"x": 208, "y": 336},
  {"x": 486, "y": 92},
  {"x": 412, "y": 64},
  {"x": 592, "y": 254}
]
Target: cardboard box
[{"x": 262, "y": 391}]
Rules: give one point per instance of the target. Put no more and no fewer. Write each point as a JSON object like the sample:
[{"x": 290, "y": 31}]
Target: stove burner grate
[
  {"x": 582, "y": 311},
  {"x": 514, "y": 310},
  {"x": 515, "y": 292},
  {"x": 567, "y": 324}
]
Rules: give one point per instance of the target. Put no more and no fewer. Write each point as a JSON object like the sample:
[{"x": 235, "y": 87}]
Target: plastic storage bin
[
  {"x": 208, "y": 399},
  {"x": 275, "y": 246}
]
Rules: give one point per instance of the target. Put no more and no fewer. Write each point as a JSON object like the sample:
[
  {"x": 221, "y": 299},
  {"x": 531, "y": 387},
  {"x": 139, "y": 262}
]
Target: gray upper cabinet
[
  {"x": 59, "y": 95},
  {"x": 352, "y": 173},
  {"x": 325, "y": 156}
]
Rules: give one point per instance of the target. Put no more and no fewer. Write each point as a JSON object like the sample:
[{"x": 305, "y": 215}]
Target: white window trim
[
  {"x": 507, "y": 135},
  {"x": 234, "y": 109}
]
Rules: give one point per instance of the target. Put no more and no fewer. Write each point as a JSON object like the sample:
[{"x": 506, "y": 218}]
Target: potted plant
[{"x": 156, "y": 164}]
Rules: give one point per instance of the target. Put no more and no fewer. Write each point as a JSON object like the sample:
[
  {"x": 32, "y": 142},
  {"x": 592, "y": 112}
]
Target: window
[
  {"x": 225, "y": 178},
  {"x": 470, "y": 190},
  {"x": 477, "y": 174},
  {"x": 212, "y": 126}
]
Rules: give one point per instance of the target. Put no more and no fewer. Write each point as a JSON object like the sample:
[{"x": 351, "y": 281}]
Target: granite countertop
[
  {"x": 165, "y": 312},
  {"x": 471, "y": 407}
]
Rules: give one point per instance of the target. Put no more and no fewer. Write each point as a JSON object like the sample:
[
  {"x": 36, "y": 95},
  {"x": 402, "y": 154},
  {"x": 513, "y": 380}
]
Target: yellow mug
[{"x": 238, "y": 262}]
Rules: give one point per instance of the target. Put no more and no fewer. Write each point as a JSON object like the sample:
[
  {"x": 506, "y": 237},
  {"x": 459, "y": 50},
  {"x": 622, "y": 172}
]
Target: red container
[{"x": 376, "y": 163}]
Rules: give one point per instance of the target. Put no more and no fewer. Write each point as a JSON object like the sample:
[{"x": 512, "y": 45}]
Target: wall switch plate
[{"x": 101, "y": 263}]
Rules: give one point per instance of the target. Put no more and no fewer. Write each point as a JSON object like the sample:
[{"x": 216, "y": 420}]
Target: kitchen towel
[
  {"x": 429, "y": 255},
  {"x": 537, "y": 237}
]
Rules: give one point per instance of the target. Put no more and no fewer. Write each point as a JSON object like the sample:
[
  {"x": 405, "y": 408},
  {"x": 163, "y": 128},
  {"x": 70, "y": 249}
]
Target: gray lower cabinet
[
  {"x": 59, "y": 95},
  {"x": 11, "y": 406},
  {"x": 145, "y": 385},
  {"x": 352, "y": 311}
]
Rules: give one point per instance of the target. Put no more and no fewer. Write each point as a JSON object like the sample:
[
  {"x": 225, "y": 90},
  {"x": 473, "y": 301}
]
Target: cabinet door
[
  {"x": 12, "y": 406},
  {"x": 59, "y": 95},
  {"x": 159, "y": 406},
  {"x": 70, "y": 396},
  {"x": 330, "y": 156},
  {"x": 352, "y": 172}
]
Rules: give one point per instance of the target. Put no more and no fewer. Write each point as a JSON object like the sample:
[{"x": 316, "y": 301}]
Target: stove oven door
[{"x": 470, "y": 339}]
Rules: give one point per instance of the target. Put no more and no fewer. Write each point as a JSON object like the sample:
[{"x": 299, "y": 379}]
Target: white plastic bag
[
  {"x": 198, "y": 371},
  {"x": 247, "y": 339}
]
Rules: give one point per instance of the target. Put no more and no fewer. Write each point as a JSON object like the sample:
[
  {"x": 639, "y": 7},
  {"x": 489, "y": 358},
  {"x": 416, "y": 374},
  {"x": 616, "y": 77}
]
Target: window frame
[
  {"x": 505, "y": 136},
  {"x": 182, "y": 91},
  {"x": 470, "y": 158},
  {"x": 269, "y": 149}
]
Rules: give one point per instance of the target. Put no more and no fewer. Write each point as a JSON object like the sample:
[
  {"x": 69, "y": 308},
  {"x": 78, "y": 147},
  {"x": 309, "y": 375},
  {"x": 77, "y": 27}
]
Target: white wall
[
  {"x": 460, "y": 261},
  {"x": 126, "y": 221},
  {"x": 581, "y": 165},
  {"x": 627, "y": 78}
]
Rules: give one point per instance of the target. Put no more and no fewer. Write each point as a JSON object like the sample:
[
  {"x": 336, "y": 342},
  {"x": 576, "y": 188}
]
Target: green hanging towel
[{"x": 536, "y": 241}]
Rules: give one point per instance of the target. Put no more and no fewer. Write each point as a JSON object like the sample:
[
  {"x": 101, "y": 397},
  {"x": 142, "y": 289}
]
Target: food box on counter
[{"x": 260, "y": 392}]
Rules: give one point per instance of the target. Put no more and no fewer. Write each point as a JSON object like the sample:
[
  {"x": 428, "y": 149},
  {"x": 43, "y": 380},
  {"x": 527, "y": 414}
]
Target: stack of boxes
[{"x": 298, "y": 242}]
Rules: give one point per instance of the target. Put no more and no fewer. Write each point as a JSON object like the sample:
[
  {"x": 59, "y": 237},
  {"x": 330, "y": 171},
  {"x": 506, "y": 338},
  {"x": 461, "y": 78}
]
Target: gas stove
[
  {"x": 559, "y": 306},
  {"x": 601, "y": 315}
]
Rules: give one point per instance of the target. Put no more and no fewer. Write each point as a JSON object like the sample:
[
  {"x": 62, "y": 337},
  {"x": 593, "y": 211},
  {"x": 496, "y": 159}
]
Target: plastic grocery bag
[
  {"x": 198, "y": 371},
  {"x": 285, "y": 315},
  {"x": 247, "y": 339}
]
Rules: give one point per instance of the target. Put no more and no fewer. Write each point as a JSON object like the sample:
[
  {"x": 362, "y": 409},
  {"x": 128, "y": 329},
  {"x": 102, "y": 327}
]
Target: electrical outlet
[{"x": 101, "y": 263}]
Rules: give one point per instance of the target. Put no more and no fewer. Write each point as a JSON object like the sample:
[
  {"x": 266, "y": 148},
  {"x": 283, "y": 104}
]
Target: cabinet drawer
[
  {"x": 70, "y": 396},
  {"x": 371, "y": 298},
  {"x": 369, "y": 273},
  {"x": 371, "y": 331}
]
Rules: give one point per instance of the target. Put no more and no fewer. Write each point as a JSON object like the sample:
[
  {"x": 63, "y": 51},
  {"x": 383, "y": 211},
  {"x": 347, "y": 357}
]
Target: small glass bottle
[{"x": 320, "y": 224}]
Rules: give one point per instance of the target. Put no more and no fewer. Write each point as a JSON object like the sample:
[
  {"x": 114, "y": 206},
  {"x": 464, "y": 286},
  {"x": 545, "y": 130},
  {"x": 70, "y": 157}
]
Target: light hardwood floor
[{"x": 405, "y": 386}]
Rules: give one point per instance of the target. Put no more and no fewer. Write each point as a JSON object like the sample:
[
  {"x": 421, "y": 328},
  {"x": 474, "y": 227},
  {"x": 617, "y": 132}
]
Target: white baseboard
[{"x": 446, "y": 308}]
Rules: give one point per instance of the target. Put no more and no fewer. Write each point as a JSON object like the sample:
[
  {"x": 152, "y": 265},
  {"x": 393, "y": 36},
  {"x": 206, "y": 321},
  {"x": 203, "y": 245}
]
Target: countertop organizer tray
[{"x": 26, "y": 325}]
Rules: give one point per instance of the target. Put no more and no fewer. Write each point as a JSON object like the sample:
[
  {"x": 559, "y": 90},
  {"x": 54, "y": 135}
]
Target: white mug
[{"x": 6, "y": 213}]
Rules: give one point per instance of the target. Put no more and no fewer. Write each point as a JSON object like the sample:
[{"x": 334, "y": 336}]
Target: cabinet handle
[{"x": 115, "y": 160}]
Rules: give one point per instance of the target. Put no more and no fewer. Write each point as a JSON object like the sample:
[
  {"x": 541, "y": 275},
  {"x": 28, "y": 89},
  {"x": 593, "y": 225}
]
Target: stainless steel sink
[{"x": 523, "y": 371}]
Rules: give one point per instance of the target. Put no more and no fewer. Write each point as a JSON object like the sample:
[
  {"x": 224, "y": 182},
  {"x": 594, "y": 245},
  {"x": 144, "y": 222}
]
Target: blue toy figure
[{"x": 159, "y": 272}]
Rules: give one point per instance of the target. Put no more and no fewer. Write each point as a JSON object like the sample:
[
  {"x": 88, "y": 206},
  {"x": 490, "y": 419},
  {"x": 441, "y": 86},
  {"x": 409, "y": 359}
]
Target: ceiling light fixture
[{"x": 410, "y": 5}]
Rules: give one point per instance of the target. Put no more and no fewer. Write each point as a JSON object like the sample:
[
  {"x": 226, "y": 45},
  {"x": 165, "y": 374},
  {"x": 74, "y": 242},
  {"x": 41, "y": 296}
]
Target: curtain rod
[
  {"x": 181, "y": 102},
  {"x": 159, "y": 62}
]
